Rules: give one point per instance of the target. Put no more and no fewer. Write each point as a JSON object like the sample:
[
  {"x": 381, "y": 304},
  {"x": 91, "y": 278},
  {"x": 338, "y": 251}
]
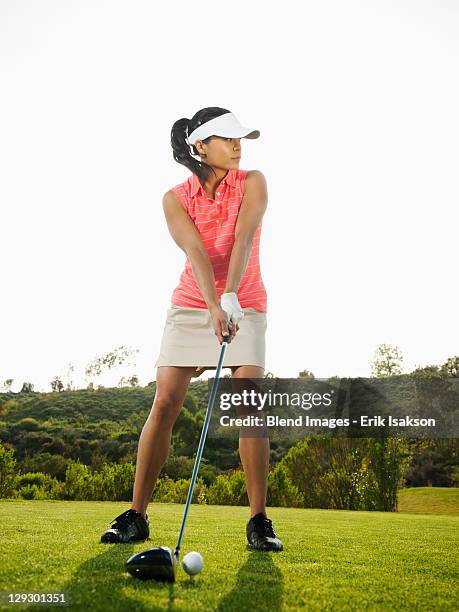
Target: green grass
[
  {"x": 438, "y": 500},
  {"x": 332, "y": 559}
]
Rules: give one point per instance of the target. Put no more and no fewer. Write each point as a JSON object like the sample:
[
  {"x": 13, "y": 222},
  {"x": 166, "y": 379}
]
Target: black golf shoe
[
  {"x": 261, "y": 534},
  {"x": 130, "y": 526}
]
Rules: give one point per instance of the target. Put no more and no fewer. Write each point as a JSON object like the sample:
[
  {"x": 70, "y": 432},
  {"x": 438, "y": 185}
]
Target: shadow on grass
[
  {"x": 259, "y": 585},
  {"x": 100, "y": 583}
]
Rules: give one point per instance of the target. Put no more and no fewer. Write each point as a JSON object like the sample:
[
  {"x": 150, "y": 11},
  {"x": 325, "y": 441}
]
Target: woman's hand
[
  {"x": 231, "y": 306},
  {"x": 222, "y": 326}
]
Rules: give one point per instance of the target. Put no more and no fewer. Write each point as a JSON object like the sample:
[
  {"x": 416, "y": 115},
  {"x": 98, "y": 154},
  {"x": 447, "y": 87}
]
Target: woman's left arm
[{"x": 251, "y": 212}]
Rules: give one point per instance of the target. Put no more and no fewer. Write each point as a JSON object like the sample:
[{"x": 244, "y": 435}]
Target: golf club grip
[{"x": 202, "y": 439}]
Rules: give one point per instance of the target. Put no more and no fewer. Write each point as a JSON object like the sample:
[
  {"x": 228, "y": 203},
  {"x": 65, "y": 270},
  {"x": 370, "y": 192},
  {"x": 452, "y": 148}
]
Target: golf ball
[{"x": 192, "y": 563}]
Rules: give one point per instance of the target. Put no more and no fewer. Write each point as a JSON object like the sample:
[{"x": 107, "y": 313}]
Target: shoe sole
[
  {"x": 110, "y": 541},
  {"x": 252, "y": 547}
]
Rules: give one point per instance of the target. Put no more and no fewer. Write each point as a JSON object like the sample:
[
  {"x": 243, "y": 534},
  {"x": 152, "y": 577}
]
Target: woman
[{"x": 215, "y": 217}]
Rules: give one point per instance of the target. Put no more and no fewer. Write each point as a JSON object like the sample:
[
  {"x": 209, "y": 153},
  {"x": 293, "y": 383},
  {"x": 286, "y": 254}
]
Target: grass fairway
[
  {"x": 332, "y": 559},
  {"x": 438, "y": 500}
]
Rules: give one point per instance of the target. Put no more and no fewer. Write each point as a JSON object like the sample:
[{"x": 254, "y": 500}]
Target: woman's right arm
[{"x": 187, "y": 237}]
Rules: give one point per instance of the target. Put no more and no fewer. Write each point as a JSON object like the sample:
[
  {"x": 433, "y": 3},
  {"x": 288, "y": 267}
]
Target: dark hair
[{"x": 181, "y": 149}]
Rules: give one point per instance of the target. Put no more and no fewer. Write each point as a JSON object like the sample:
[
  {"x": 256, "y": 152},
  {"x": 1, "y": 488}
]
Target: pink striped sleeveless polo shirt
[{"x": 216, "y": 221}]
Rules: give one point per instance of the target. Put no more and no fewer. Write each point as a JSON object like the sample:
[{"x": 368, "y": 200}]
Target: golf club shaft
[{"x": 205, "y": 427}]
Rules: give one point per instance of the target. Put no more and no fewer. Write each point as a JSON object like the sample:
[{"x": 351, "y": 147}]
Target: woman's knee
[{"x": 166, "y": 409}]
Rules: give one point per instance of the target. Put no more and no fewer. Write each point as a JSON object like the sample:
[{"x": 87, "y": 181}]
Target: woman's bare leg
[
  {"x": 171, "y": 387},
  {"x": 254, "y": 453}
]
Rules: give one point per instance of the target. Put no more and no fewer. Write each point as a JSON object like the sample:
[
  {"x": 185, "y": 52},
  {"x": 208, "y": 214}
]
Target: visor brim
[{"x": 242, "y": 133}]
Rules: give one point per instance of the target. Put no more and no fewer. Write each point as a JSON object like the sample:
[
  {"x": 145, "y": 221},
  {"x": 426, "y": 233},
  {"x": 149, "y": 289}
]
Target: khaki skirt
[{"x": 189, "y": 340}]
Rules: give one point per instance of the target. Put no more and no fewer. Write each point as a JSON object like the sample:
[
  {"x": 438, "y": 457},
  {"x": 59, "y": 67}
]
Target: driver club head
[{"x": 158, "y": 563}]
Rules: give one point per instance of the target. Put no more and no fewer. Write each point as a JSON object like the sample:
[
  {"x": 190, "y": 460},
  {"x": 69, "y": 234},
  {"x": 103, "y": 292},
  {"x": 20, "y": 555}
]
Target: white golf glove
[{"x": 231, "y": 306}]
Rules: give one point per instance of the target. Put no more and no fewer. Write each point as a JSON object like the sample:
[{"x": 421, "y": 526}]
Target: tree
[
  {"x": 27, "y": 387},
  {"x": 57, "y": 385},
  {"x": 7, "y": 385},
  {"x": 116, "y": 357},
  {"x": 387, "y": 361},
  {"x": 451, "y": 367},
  {"x": 70, "y": 371},
  {"x": 130, "y": 381},
  {"x": 133, "y": 380},
  {"x": 306, "y": 374}
]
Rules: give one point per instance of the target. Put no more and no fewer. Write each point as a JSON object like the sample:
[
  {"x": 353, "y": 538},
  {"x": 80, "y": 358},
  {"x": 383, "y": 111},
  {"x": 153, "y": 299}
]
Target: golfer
[{"x": 215, "y": 217}]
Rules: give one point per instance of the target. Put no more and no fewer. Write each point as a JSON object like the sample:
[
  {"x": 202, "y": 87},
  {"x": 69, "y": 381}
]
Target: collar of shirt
[{"x": 230, "y": 178}]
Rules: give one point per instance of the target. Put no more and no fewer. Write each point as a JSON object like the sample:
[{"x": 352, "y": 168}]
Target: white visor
[{"x": 226, "y": 125}]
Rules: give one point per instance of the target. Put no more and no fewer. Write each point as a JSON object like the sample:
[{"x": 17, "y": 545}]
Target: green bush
[
  {"x": 219, "y": 492},
  {"x": 281, "y": 490},
  {"x": 229, "y": 489},
  {"x": 114, "y": 482},
  {"x": 30, "y": 478},
  {"x": 389, "y": 459},
  {"x": 181, "y": 466},
  {"x": 77, "y": 485},
  {"x": 322, "y": 471},
  {"x": 32, "y": 491},
  {"x": 27, "y": 424},
  {"x": 163, "y": 489},
  {"x": 170, "y": 491},
  {"x": 37, "y": 485},
  {"x": 337, "y": 472},
  {"x": 181, "y": 491},
  {"x": 52, "y": 464},
  {"x": 7, "y": 472}
]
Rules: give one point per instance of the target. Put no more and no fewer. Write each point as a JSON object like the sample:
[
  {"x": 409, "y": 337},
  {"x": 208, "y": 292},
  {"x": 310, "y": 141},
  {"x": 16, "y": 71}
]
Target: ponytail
[{"x": 181, "y": 149}]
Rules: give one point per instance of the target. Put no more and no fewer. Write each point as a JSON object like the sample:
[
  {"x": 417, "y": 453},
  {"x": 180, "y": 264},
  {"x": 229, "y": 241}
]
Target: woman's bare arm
[
  {"x": 251, "y": 212},
  {"x": 187, "y": 237}
]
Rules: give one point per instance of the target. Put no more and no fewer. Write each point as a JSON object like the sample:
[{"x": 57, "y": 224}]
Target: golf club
[{"x": 159, "y": 563}]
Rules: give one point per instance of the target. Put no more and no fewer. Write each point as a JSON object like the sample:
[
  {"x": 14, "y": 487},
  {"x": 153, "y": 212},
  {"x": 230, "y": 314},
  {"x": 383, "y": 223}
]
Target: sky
[{"x": 356, "y": 103}]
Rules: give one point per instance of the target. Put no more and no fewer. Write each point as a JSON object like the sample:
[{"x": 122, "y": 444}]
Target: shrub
[
  {"x": 7, "y": 472},
  {"x": 170, "y": 491},
  {"x": 219, "y": 491},
  {"x": 37, "y": 485},
  {"x": 281, "y": 490},
  {"x": 27, "y": 424},
  {"x": 229, "y": 489},
  {"x": 113, "y": 482},
  {"x": 333, "y": 471},
  {"x": 78, "y": 480},
  {"x": 181, "y": 490},
  {"x": 389, "y": 459},
  {"x": 32, "y": 491},
  {"x": 30, "y": 478},
  {"x": 55, "y": 465}
]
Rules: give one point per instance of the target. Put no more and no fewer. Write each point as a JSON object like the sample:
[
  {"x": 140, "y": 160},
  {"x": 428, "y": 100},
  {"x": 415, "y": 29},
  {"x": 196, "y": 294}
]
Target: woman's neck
[{"x": 213, "y": 182}]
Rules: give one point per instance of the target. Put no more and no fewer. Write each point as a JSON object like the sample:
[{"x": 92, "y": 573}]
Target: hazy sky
[{"x": 357, "y": 105}]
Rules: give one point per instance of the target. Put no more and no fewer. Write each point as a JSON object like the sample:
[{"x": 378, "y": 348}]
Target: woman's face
[{"x": 220, "y": 152}]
